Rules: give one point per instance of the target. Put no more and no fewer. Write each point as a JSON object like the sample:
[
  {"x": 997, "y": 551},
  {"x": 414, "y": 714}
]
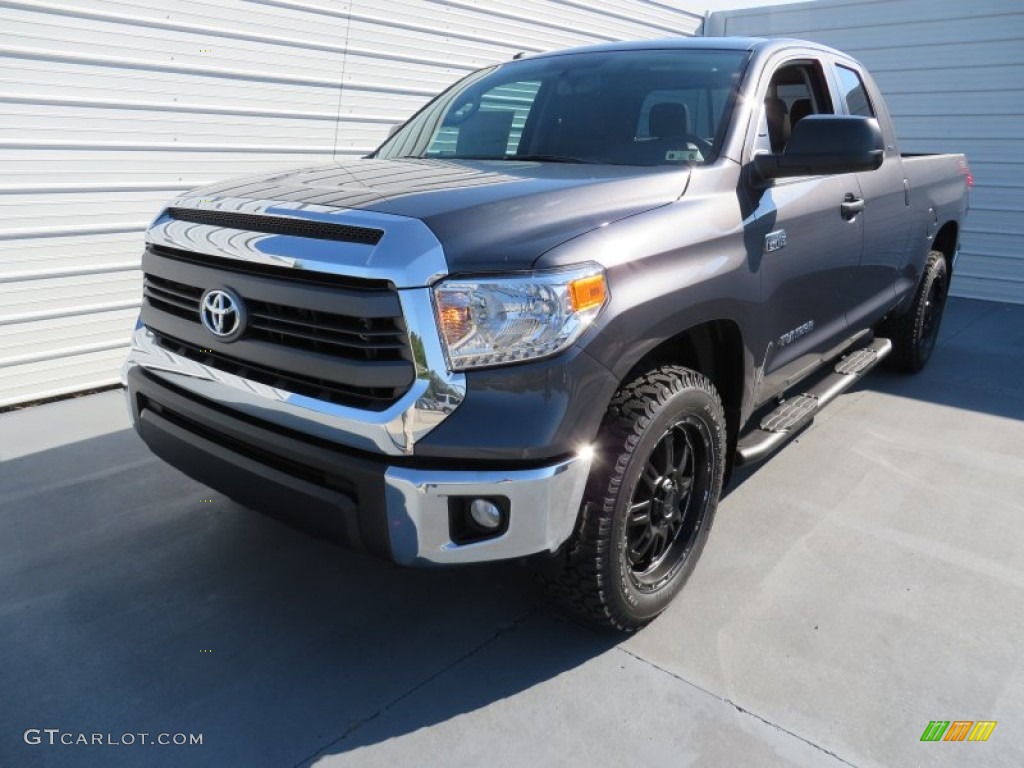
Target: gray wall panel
[{"x": 110, "y": 108}]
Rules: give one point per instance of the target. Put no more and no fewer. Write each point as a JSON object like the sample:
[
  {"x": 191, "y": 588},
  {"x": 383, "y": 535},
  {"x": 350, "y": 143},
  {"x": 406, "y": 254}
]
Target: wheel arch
[
  {"x": 945, "y": 242},
  {"x": 715, "y": 349}
]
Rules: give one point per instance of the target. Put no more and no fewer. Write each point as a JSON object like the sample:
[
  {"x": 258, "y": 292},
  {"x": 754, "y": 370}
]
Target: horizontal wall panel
[
  {"x": 953, "y": 73},
  {"x": 1004, "y": 221},
  {"x": 967, "y": 128},
  {"x": 45, "y": 122},
  {"x": 990, "y": 151},
  {"x": 131, "y": 86},
  {"x": 96, "y": 163},
  {"x": 113, "y": 107},
  {"x": 969, "y": 104},
  {"x": 35, "y": 211},
  {"x": 970, "y": 30},
  {"x": 65, "y": 336},
  {"x": 973, "y": 287},
  {"x": 956, "y": 80},
  {"x": 995, "y": 250},
  {"x": 827, "y": 16},
  {"x": 62, "y": 296},
  {"x": 60, "y": 375},
  {"x": 1001, "y": 53},
  {"x": 188, "y": 46},
  {"x": 51, "y": 256}
]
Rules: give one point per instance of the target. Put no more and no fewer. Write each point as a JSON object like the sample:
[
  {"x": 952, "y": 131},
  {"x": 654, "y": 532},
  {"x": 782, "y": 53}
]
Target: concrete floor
[{"x": 866, "y": 580}]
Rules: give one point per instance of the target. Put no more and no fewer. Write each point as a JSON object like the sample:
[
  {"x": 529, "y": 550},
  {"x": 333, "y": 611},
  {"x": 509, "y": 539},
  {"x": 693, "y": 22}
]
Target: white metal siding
[
  {"x": 110, "y": 108},
  {"x": 953, "y": 75}
]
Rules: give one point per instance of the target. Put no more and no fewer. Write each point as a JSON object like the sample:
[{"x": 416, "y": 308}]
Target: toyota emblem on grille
[{"x": 222, "y": 313}]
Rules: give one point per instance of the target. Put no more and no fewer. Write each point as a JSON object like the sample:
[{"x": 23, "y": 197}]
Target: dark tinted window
[
  {"x": 856, "y": 97},
  {"x": 495, "y": 128},
  {"x": 660, "y": 107}
]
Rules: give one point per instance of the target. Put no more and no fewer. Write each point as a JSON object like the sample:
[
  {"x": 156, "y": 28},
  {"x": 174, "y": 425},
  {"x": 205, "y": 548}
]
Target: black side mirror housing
[{"x": 826, "y": 144}]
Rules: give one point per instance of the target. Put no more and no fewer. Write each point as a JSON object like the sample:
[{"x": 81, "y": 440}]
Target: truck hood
[{"x": 487, "y": 214}]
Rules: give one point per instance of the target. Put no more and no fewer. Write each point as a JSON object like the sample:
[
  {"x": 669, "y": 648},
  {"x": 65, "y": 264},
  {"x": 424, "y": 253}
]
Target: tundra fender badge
[
  {"x": 801, "y": 330},
  {"x": 775, "y": 241}
]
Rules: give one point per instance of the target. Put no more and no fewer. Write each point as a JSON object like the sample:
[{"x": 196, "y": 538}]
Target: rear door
[
  {"x": 886, "y": 205},
  {"x": 808, "y": 250}
]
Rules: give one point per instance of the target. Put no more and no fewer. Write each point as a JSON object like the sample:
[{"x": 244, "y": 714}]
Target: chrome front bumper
[
  {"x": 543, "y": 503},
  {"x": 401, "y": 507}
]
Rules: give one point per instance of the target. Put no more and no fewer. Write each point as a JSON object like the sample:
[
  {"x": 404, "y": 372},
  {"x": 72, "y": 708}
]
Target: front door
[{"x": 810, "y": 247}]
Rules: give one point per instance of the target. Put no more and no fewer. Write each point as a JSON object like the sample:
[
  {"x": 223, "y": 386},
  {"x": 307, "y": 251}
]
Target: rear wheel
[
  {"x": 914, "y": 334},
  {"x": 650, "y": 500}
]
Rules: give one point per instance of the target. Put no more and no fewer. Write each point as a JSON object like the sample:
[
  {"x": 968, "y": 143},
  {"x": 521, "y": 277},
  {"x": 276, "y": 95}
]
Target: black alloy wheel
[
  {"x": 649, "y": 503},
  {"x": 668, "y": 504}
]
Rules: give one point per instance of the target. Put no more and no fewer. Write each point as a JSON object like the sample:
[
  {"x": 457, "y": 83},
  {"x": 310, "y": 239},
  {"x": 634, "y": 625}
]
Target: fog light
[
  {"x": 485, "y": 514},
  {"x": 477, "y": 518}
]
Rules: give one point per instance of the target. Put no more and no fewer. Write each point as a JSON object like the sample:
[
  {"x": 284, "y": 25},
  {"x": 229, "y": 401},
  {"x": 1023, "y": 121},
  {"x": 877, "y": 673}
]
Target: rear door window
[{"x": 856, "y": 96}]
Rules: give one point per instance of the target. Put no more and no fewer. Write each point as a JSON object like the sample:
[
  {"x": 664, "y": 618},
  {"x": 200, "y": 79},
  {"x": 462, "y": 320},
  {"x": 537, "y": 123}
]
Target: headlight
[{"x": 495, "y": 320}]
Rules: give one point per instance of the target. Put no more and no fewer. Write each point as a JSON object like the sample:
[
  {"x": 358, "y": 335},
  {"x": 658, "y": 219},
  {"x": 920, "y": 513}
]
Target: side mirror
[{"x": 826, "y": 144}]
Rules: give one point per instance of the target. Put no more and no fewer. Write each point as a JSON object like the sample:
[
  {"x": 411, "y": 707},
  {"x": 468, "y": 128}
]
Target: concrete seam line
[
  {"x": 501, "y": 630},
  {"x": 737, "y": 707}
]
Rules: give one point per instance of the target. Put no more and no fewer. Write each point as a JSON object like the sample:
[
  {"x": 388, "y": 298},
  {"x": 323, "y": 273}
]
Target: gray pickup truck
[{"x": 552, "y": 311}]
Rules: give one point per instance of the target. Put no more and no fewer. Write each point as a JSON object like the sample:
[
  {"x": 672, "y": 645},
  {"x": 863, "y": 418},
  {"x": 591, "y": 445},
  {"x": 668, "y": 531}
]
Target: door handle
[{"x": 851, "y": 206}]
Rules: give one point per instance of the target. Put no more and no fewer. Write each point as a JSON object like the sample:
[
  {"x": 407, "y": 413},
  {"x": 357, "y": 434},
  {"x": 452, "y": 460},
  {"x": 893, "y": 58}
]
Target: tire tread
[
  {"x": 904, "y": 331},
  {"x": 581, "y": 585}
]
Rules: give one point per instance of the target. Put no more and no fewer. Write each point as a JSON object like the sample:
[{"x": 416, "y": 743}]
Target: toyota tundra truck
[{"x": 552, "y": 311}]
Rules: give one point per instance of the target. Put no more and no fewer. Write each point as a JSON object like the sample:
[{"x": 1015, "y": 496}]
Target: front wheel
[{"x": 650, "y": 500}]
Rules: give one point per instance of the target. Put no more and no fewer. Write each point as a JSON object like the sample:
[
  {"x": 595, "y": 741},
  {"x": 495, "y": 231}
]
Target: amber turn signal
[
  {"x": 455, "y": 318},
  {"x": 587, "y": 292}
]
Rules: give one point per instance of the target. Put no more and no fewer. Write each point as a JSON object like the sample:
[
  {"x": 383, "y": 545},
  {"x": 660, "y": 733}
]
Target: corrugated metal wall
[
  {"x": 110, "y": 108},
  {"x": 953, "y": 76}
]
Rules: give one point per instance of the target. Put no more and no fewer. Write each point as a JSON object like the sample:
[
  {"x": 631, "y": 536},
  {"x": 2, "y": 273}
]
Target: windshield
[{"x": 644, "y": 107}]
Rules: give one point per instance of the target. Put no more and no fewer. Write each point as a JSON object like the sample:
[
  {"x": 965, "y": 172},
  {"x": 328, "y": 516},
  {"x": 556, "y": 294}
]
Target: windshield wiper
[
  {"x": 535, "y": 158},
  {"x": 550, "y": 158},
  {"x": 538, "y": 158}
]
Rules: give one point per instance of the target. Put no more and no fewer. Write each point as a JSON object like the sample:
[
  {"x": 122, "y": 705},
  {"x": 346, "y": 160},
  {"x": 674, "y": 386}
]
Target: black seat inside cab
[
  {"x": 775, "y": 112},
  {"x": 668, "y": 119},
  {"x": 801, "y": 108}
]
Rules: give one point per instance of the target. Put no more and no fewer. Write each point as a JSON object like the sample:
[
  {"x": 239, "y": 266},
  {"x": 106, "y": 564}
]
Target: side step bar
[{"x": 799, "y": 411}]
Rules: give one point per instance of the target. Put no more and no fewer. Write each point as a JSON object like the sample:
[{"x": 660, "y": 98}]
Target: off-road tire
[
  {"x": 662, "y": 413},
  {"x": 914, "y": 333}
]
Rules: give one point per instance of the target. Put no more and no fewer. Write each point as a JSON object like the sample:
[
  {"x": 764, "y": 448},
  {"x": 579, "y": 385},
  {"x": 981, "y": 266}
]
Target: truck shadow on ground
[
  {"x": 135, "y": 600},
  {"x": 977, "y": 365}
]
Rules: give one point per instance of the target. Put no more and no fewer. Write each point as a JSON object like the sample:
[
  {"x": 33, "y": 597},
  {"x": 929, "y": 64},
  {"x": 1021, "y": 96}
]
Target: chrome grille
[{"x": 343, "y": 343}]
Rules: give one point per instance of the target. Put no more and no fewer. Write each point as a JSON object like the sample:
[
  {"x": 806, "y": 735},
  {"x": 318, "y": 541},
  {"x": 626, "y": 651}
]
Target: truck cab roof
[{"x": 753, "y": 44}]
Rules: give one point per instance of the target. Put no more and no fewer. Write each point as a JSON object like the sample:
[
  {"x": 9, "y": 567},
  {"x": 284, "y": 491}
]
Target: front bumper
[{"x": 392, "y": 507}]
